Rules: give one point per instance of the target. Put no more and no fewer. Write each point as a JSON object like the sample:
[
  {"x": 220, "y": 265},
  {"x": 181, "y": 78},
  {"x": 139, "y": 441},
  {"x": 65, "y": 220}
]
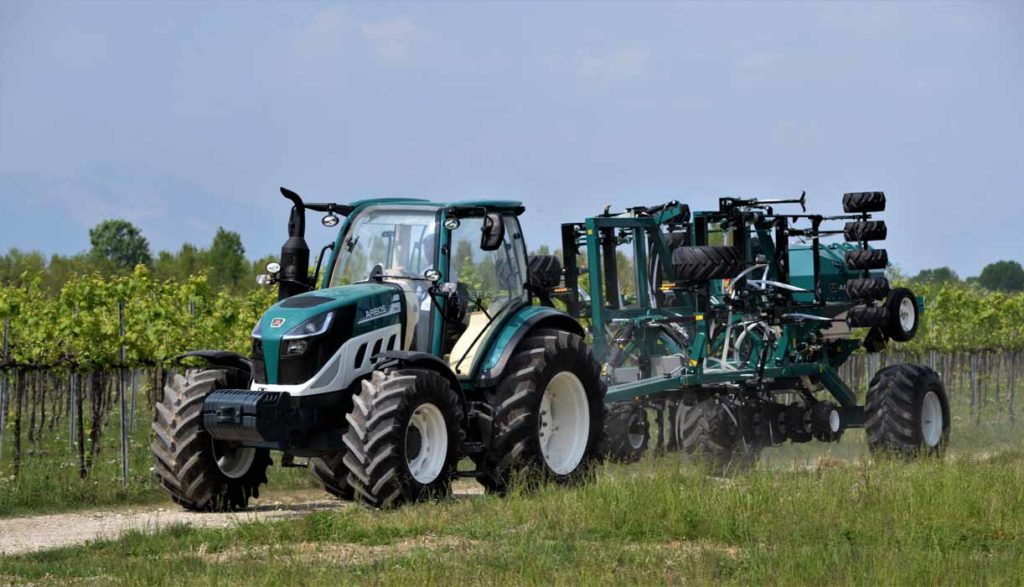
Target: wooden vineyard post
[
  {"x": 123, "y": 403},
  {"x": 4, "y": 381}
]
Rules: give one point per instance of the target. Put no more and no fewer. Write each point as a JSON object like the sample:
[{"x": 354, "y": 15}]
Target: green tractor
[
  {"x": 737, "y": 324},
  {"x": 420, "y": 345}
]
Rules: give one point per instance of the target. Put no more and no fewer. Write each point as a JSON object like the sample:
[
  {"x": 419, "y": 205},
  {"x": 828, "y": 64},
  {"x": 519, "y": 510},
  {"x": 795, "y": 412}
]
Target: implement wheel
[
  {"x": 627, "y": 432},
  {"x": 199, "y": 473},
  {"x": 907, "y": 412},
  {"x": 404, "y": 438},
  {"x": 548, "y": 413},
  {"x": 710, "y": 434}
]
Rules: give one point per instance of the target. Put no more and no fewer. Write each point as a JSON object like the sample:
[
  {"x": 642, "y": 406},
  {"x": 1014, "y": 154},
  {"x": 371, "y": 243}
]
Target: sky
[{"x": 182, "y": 117}]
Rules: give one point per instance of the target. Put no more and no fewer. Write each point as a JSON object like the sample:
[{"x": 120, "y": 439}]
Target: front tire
[
  {"x": 199, "y": 473},
  {"x": 548, "y": 413},
  {"x": 907, "y": 412},
  {"x": 404, "y": 438}
]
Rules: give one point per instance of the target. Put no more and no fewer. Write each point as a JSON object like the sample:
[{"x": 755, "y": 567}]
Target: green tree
[
  {"x": 121, "y": 243},
  {"x": 1002, "y": 276},
  {"x": 937, "y": 276},
  {"x": 226, "y": 260}
]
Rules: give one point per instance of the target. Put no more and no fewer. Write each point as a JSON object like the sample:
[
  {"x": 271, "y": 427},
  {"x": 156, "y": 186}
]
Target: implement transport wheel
[
  {"x": 710, "y": 433},
  {"x": 202, "y": 474},
  {"x": 907, "y": 412},
  {"x": 701, "y": 263},
  {"x": 902, "y": 318},
  {"x": 627, "y": 432},
  {"x": 404, "y": 438},
  {"x": 332, "y": 473},
  {"x": 548, "y": 413}
]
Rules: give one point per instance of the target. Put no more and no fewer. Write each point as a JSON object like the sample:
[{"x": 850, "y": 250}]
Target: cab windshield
[{"x": 400, "y": 240}]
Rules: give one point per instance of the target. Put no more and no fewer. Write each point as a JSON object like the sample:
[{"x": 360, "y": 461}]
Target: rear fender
[{"x": 526, "y": 320}]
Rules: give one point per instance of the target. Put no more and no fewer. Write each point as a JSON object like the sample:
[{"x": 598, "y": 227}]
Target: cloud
[
  {"x": 619, "y": 65},
  {"x": 390, "y": 38}
]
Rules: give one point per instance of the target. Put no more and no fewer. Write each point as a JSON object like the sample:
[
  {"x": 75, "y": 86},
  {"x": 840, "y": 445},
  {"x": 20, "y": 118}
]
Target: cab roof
[{"x": 496, "y": 205}]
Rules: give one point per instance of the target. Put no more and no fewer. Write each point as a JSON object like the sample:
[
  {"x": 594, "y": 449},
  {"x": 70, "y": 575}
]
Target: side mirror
[{"x": 493, "y": 232}]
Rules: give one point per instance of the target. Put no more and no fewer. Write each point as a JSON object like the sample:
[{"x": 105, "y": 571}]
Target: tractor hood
[{"x": 298, "y": 337}]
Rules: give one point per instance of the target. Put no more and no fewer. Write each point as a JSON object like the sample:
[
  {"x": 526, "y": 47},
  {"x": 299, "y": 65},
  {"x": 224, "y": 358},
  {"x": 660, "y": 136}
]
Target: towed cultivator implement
[{"x": 741, "y": 318}]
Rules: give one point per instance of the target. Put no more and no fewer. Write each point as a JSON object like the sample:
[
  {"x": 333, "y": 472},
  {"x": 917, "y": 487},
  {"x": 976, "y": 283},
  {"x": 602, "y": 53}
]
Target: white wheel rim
[
  {"x": 636, "y": 439},
  {"x": 908, "y": 314},
  {"x": 425, "y": 464},
  {"x": 564, "y": 423},
  {"x": 235, "y": 463},
  {"x": 833, "y": 421},
  {"x": 931, "y": 419}
]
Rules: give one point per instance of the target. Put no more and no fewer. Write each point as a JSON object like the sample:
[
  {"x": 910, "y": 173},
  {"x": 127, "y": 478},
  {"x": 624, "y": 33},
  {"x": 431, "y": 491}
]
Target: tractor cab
[{"x": 461, "y": 269}]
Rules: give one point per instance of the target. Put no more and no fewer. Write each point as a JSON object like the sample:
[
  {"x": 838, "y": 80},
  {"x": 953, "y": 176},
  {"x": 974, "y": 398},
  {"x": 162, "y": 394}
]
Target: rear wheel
[
  {"x": 332, "y": 472},
  {"x": 198, "y": 472},
  {"x": 404, "y": 438},
  {"x": 907, "y": 412},
  {"x": 627, "y": 432},
  {"x": 548, "y": 413}
]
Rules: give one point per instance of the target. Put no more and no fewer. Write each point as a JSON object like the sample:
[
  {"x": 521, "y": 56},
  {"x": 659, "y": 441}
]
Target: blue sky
[{"x": 184, "y": 116}]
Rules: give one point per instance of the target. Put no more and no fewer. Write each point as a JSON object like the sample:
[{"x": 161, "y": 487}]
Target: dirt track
[{"x": 34, "y": 533}]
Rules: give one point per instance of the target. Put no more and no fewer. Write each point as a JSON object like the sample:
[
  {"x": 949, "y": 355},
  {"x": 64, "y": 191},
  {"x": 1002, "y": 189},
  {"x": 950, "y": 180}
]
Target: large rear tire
[
  {"x": 548, "y": 413},
  {"x": 404, "y": 438},
  {"x": 332, "y": 473},
  {"x": 199, "y": 473},
  {"x": 907, "y": 412}
]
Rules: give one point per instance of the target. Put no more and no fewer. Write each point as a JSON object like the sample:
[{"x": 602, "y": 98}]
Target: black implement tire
[
  {"x": 332, "y": 473},
  {"x": 870, "y": 288},
  {"x": 627, "y": 432},
  {"x": 514, "y": 450},
  {"x": 858, "y": 202},
  {"x": 705, "y": 262},
  {"x": 867, "y": 259},
  {"x": 903, "y": 409},
  {"x": 798, "y": 424},
  {"x": 826, "y": 424},
  {"x": 867, "y": 316},
  {"x": 398, "y": 414},
  {"x": 869, "y": 230},
  {"x": 903, "y": 318},
  {"x": 710, "y": 435},
  {"x": 186, "y": 458},
  {"x": 545, "y": 271}
]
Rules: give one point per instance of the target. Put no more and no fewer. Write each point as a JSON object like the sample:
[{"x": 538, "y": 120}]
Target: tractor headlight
[
  {"x": 315, "y": 326},
  {"x": 294, "y": 348}
]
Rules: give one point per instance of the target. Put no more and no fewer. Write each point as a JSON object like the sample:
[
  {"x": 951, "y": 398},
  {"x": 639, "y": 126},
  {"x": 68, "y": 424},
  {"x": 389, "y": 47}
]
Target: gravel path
[{"x": 33, "y": 533}]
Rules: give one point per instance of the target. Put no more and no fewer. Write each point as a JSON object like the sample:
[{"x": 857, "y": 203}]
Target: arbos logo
[{"x": 276, "y": 322}]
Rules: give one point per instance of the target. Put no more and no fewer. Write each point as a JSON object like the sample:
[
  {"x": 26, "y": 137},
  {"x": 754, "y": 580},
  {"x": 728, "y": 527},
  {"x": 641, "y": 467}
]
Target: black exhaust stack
[{"x": 294, "y": 277}]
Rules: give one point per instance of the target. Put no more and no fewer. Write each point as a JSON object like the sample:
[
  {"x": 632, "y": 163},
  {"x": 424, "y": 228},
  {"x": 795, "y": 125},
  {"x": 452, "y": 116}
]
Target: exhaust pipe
[{"x": 294, "y": 278}]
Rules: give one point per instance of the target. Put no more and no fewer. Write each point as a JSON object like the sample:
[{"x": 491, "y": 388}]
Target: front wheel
[
  {"x": 548, "y": 413},
  {"x": 404, "y": 438},
  {"x": 907, "y": 412},
  {"x": 198, "y": 472}
]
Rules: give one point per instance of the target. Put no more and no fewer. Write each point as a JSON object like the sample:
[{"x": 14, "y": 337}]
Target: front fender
[{"x": 525, "y": 320}]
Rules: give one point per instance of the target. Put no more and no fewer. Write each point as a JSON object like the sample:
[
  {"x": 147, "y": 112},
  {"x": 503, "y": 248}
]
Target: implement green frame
[{"x": 783, "y": 368}]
